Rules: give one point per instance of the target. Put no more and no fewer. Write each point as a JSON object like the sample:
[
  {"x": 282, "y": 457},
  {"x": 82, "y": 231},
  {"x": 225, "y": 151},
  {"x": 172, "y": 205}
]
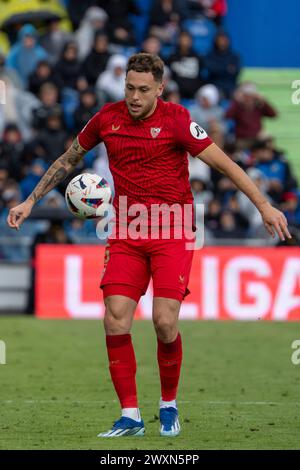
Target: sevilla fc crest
[{"x": 155, "y": 131}]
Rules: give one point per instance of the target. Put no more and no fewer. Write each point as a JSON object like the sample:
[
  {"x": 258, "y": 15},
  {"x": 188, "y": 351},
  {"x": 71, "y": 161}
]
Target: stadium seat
[
  {"x": 70, "y": 101},
  {"x": 140, "y": 22},
  {"x": 203, "y": 32}
]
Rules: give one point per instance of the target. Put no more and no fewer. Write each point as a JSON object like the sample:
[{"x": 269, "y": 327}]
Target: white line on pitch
[{"x": 103, "y": 402}]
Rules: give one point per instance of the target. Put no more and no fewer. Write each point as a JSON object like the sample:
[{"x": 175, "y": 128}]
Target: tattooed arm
[{"x": 57, "y": 172}]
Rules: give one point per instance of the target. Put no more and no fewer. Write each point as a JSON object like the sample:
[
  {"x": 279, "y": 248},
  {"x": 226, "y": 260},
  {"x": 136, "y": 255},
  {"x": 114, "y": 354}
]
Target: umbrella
[{"x": 29, "y": 11}]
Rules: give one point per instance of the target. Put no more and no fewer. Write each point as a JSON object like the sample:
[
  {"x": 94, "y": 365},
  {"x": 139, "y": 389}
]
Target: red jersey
[{"x": 147, "y": 157}]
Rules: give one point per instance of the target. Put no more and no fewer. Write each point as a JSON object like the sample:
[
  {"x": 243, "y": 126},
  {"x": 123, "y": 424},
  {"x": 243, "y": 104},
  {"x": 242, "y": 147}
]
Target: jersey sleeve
[
  {"x": 90, "y": 136},
  {"x": 189, "y": 135}
]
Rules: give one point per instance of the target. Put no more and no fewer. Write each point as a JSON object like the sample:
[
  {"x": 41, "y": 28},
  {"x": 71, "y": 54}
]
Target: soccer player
[{"x": 147, "y": 141}]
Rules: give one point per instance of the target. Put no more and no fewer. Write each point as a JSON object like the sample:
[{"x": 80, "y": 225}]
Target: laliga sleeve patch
[{"x": 197, "y": 131}]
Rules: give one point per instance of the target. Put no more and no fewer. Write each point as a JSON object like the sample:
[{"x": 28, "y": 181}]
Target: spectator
[
  {"x": 172, "y": 96},
  {"x": 68, "y": 66},
  {"x": 120, "y": 29},
  {"x": 212, "y": 216},
  {"x": 223, "y": 65},
  {"x": 291, "y": 208},
  {"x": 4, "y": 176},
  {"x": 247, "y": 111},
  {"x": 29, "y": 182},
  {"x": 77, "y": 230},
  {"x": 111, "y": 83},
  {"x": 33, "y": 150},
  {"x": 11, "y": 149},
  {"x": 247, "y": 208},
  {"x": 52, "y": 137},
  {"x": 238, "y": 156},
  {"x": 54, "y": 39},
  {"x": 18, "y": 108},
  {"x": 70, "y": 100},
  {"x": 151, "y": 45},
  {"x": 214, "y": 9},
  {"x": 54, "y": 234},
  {"x": 186, "y": 65},
  {"x": 228, "y": 227},
  {"x": 76, "y": 10},
  {"x": 26, "y": 53},
  {"x": 42, "y": 74},
  {"x": 170, "y": 86},
  {"x": 202, "y": 195},
  {"x": 49, "y": 104},
  {"x": 11, "y": 193},
  {"x": 62, "y": 93},
  {"x": 241, "y": 219},
  {"x": 8, "y": 73},
  {"x": 86, "y": 109},
  {"x": 208, "y": 114},
  {"x": 53, "y": 200},
  {"x": 276, "y": 170},
  {"x": 165, "y": 19},
  {"x": 94, "y": 20},
  {"x": 96, "y": 61}
]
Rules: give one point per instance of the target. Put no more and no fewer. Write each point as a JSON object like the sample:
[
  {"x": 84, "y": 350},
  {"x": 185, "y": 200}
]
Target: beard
[{"x": 141, "y": 112}]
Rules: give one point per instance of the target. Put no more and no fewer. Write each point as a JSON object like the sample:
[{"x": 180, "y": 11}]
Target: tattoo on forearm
[
  {"x": 57, "y": 177},
  {"x": 58, "y": 171}
]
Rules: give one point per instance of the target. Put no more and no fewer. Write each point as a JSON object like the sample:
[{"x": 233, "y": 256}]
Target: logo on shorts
[
  {"x": 155, "y": 131},
  {"x": 181, "y": 279},
  {"x": 106, "y": 256},
  {"x": 115, "y": 128},
  {"x": 197, "y": 131}
]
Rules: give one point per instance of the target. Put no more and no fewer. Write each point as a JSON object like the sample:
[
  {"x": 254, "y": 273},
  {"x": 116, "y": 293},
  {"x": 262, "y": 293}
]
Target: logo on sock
[
  {"x": 169, "y": 363},
  {"x": 113, "y": 363}
]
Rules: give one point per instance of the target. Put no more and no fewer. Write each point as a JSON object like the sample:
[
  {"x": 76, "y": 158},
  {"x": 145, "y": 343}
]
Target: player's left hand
[{"x": 275, "y": 221}]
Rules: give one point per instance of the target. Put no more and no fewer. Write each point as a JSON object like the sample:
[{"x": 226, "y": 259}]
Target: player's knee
[
  {"x": 117, "y": 318},
  {"x": 114, "y": 325},
  {"x": 165, "y": 327}
]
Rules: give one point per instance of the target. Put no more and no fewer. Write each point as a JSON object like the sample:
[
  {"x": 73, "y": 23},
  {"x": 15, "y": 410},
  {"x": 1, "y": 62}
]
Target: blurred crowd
[{"x": 56, "y": 78}]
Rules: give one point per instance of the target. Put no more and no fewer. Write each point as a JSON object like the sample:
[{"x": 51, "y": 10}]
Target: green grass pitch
[{"x": 239, "y": 388}]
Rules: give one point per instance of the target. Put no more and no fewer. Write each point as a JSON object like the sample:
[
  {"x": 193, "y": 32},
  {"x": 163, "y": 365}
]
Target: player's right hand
[{"x": 18, "y": 214}]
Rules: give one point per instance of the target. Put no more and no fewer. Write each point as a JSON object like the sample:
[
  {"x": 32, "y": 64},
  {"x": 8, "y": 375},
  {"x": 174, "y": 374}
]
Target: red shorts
[{"x": 129, "y": 265}]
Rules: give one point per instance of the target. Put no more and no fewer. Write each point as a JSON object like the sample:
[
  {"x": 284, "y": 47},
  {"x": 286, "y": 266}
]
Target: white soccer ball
[{"x": 88, "y": 196}]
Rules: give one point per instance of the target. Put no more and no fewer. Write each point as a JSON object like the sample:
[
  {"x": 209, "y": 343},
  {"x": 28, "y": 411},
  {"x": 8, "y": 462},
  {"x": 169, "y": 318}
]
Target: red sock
[
  {"x": 169, "y": 356},
  {"x": 122, "y": 368}
]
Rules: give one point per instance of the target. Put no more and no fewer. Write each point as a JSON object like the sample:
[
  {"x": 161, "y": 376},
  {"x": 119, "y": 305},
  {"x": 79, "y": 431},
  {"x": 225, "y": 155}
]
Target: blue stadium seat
[
  {"x": 70, "y": 101},
  {"x": 140, "y": 26},
  {"x": 144, "y": 5},
  {"x": 141, "y": 22},
  {"x": 203, "y": 32},
  {"x": 187, "y": 102},
  {"x": 167, "y": 50}
]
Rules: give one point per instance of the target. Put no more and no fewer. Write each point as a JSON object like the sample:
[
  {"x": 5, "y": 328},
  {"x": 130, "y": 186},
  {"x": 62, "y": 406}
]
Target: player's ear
[{"x": 160, "y": 89}]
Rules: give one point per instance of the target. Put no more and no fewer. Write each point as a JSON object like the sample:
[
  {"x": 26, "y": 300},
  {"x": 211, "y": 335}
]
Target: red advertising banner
[{"x": 226, "y": 284}]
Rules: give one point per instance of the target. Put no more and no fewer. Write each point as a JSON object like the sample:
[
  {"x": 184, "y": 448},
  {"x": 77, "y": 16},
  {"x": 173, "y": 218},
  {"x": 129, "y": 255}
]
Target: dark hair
[
  {"x": 11, "y": 127},
  {"x": 259, "y": 145},
  {"x": 143, "y": 62}
]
